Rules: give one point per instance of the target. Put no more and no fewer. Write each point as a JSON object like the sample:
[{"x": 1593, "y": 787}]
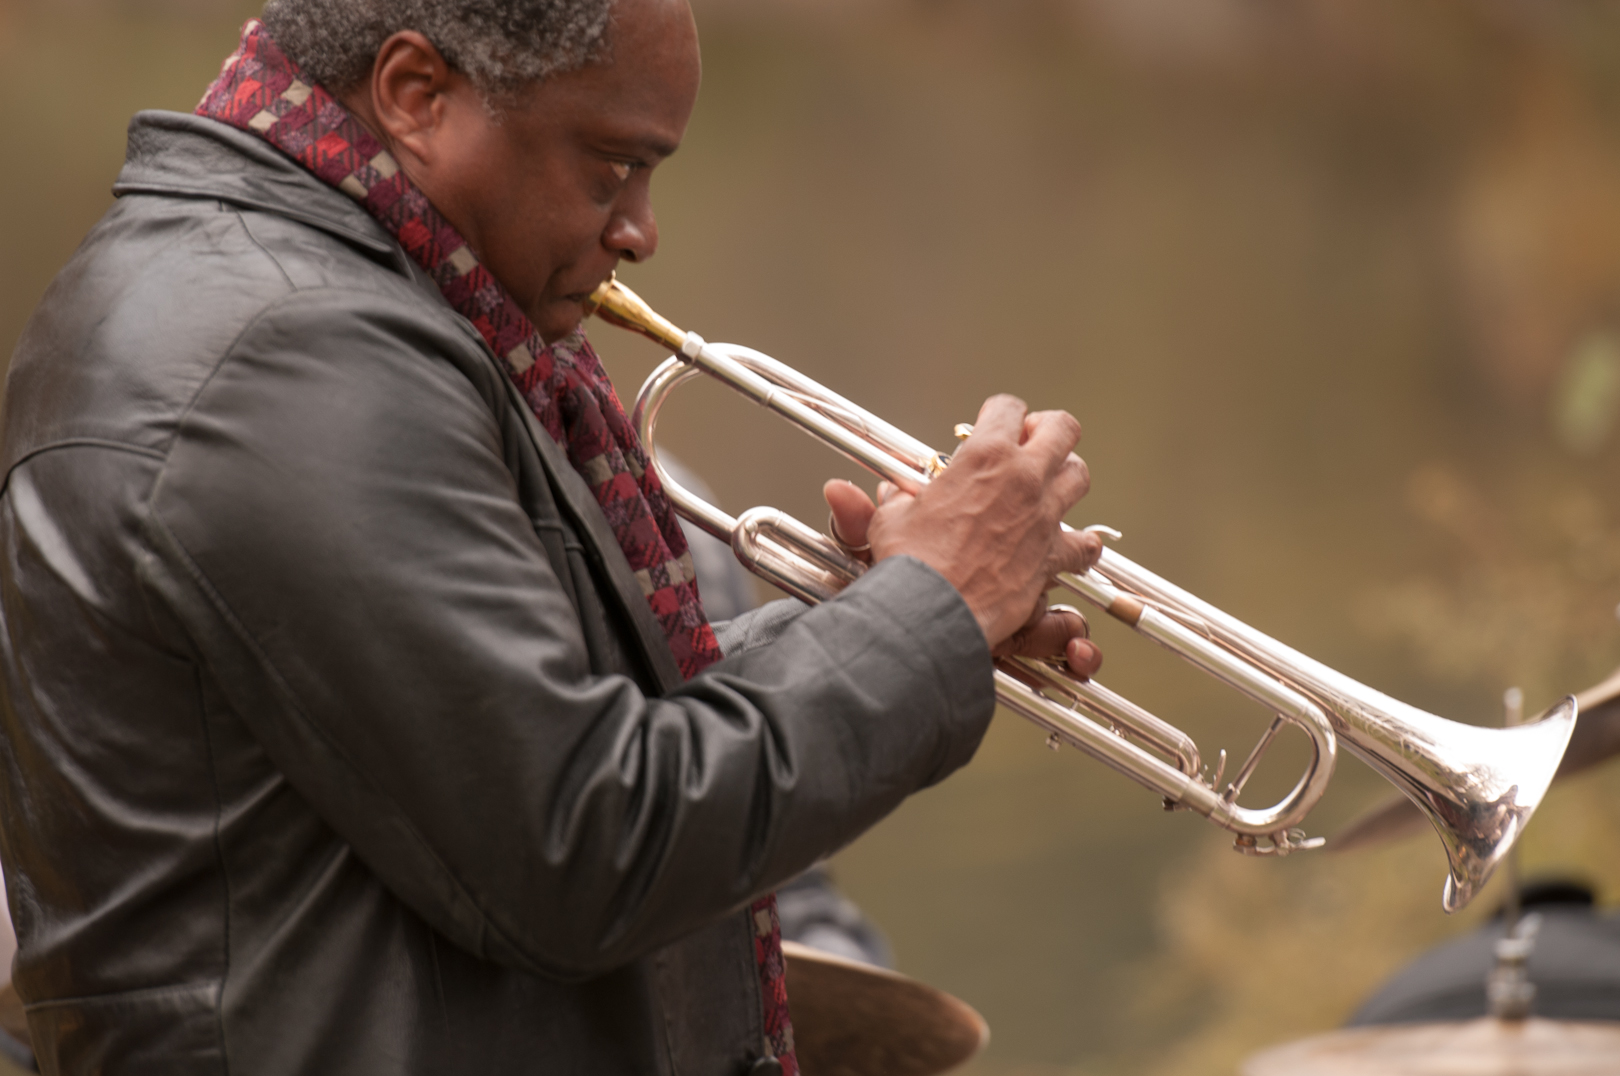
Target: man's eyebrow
[
  {"x": 657, "y": 147},
  {"x": 640, "y": 145}
]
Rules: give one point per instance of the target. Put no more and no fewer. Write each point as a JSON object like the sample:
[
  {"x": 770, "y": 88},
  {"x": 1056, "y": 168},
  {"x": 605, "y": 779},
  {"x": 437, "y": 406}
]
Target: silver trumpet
[{"x": 1478, "y": 786}]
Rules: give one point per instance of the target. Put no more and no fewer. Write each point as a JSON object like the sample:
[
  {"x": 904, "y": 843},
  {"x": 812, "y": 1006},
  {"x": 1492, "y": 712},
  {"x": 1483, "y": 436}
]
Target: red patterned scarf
[{"x": 261, "y": 90}]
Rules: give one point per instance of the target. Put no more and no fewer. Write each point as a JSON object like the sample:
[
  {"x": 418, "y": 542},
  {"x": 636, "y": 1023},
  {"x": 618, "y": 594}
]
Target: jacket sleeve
[
  {"x": 338, "y": 533},
  {"x": 757, "y": 627}
]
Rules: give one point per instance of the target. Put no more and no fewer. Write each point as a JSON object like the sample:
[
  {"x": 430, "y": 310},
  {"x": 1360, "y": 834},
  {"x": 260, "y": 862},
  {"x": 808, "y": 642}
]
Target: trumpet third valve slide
[{"x": 1478, "y": 786}]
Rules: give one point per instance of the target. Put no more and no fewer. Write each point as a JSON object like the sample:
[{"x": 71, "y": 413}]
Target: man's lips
[
  {"x": 581, "y": 299},
  {"x": 584, "y": 297}
]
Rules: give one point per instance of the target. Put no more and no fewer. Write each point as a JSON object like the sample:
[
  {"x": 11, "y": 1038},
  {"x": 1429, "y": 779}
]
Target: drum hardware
[
  {"x": 1465, "y": 1006},
  {"x": 1478, "y": 786},
  {"x": 1509, "y": 993}
]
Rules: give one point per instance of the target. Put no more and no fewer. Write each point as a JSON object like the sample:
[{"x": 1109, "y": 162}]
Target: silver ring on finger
[
  {"x": 859, "y": 552},
  {"x": 1084, "y": 623}
]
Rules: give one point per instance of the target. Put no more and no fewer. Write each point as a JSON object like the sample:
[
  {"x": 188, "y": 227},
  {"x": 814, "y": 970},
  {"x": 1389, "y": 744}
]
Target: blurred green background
[{"x": 1334, "y": 286}]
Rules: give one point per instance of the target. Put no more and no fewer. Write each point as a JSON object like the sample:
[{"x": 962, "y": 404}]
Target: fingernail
[{"x": 1085, "y": 656}]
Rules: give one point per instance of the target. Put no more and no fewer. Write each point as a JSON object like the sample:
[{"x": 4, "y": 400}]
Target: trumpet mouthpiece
[{"x": 618, "y": 305}]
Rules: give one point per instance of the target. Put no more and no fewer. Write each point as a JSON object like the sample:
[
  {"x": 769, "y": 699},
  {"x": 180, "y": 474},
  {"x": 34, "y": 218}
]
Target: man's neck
[{"x": 357, "y": 99}]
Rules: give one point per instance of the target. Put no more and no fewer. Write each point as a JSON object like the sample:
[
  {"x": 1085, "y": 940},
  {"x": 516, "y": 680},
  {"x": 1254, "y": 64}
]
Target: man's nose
[{"x": 632, "y": 234}]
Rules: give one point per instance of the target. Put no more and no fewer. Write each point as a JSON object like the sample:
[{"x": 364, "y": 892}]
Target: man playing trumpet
[{"x": 361, "y": 714}]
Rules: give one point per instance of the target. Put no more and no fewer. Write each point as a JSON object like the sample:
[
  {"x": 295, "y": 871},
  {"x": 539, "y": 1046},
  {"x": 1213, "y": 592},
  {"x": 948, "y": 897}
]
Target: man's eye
[{"x": 622, "y": 169}]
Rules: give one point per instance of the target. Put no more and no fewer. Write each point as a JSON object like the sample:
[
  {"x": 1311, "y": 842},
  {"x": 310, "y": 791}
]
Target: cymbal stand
[{"x": 1509, "y": 993}]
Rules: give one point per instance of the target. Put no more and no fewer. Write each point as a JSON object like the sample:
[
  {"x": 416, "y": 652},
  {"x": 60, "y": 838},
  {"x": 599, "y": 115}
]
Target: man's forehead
[
  {"x": 638, "y": 97},
  {"x": 634, "y": 123}
]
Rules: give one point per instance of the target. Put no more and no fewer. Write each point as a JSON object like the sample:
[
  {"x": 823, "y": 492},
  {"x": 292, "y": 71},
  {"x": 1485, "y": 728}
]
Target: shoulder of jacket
[{"x": 379, "y": 320}]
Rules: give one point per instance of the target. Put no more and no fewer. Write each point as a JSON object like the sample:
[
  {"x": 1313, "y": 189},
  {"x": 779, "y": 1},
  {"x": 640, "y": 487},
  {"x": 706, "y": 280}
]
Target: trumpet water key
[{"x": 1478, "y": 786}]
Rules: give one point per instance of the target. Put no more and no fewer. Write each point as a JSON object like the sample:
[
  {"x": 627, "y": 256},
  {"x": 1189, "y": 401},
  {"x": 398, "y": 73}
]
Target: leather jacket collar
[{"x": 181, "y": 155}]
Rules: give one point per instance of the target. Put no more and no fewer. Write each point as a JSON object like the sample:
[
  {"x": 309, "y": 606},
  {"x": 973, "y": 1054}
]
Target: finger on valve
[
  {"x": 1084, "y": 658},
  {"x": 1052, "y": 437},
  {"x": 1061, "y": 631},
  {"x": 1080, "y": 550},
  {"x": 1002, "y": 416}
]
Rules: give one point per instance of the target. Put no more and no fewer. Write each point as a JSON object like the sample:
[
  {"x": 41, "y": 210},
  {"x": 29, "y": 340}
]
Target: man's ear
[{"x": 409, "y": 81}]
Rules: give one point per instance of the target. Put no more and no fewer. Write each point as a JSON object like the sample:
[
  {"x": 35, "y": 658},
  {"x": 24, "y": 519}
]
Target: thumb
[{"x": 852, "y": 511}]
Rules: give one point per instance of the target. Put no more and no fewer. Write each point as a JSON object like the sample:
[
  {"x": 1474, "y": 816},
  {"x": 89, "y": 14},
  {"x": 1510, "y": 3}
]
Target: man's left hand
[{"x": 1047, "y": 633}]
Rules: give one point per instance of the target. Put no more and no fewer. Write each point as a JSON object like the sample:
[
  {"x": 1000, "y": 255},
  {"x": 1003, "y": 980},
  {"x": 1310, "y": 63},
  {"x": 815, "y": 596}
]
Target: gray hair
[{"x": 499, "y": 44}]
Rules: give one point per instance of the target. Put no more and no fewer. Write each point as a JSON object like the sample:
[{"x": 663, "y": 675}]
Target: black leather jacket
[{"x": 338, "y": 735}]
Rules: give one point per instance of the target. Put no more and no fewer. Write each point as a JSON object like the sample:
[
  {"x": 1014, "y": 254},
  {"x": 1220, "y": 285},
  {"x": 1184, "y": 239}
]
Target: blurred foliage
[
  {"x": 1333, "y": 286},
  {"x": 1583, "y": 403},
  {"x": 1531, "y": 573}
]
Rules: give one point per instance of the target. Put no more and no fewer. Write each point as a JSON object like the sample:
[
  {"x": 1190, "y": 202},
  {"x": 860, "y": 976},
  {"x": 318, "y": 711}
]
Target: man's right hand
[{"x": 990, "y": 525}]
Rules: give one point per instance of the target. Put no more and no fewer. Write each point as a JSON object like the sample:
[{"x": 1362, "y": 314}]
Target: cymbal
[
  {"x": 1485, "y": 1047},
  {"x": 851, "y": 1019},
  {"x": 1596, "y": 739},
  {"x": 13, "y": 1020},
  {"x": 16, "y": 1047}
]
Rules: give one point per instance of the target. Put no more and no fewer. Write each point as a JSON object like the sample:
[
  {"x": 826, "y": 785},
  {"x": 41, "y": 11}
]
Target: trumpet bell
[{"x": 1479, "y": 787}]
